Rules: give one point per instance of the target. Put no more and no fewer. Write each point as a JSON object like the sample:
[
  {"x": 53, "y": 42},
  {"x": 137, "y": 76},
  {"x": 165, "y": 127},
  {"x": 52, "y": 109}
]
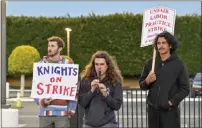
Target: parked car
[{"x": 196, "y": 87}]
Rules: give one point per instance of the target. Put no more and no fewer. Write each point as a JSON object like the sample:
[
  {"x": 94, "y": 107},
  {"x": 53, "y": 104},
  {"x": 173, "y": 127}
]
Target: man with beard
[
  {"x": 55, "y": 113},
  {"x": 168, "y": 85}
]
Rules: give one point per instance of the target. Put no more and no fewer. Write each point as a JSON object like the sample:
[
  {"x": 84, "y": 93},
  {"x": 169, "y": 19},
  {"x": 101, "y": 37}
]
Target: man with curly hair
[
  {"x": 55, "y": 113},
  {"x": 100, "y": 92},
  {"x": 168, "y": 85}
]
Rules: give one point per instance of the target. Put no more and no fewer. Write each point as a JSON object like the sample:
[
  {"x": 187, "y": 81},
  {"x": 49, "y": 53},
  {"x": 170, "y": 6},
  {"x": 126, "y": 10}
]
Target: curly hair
[
  {"x": 112, "y": 72},
  {"x": 59, "y": 41},
  {"x": 169, "y": 38}
]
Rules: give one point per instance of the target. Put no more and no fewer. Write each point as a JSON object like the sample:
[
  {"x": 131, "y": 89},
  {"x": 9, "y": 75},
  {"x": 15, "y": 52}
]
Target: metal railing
[{"x": 134, "y": 113}]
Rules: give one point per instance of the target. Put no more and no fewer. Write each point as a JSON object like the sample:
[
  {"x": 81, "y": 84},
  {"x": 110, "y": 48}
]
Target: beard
[{"x": 52, "y": 54}]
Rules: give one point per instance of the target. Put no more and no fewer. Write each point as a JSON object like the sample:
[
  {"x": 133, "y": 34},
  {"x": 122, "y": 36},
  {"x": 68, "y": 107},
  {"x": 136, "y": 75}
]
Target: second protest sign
[{"x": 155, "y": 21}]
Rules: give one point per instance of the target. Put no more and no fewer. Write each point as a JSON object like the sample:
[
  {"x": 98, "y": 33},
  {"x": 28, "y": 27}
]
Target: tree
[{"x": 20, "y": 62}]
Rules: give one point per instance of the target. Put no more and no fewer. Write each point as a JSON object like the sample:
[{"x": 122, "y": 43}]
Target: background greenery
[
  {"x": 21, "y": 60},
  {"x": 119, "y": 34}
]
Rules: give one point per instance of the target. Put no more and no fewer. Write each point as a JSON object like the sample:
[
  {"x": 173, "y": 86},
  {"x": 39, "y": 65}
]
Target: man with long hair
[
  {"x": 55, "y": 113},
  {"x": 168, "y": 85},
  {"x": 101, "y": 92}
]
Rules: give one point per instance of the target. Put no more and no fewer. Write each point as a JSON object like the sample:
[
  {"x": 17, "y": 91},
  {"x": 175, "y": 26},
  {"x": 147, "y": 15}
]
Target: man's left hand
[{"x": 103, "y": 89}]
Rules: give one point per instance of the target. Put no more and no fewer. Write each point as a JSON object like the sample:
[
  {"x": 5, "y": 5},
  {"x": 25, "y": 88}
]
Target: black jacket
[
  {"x": 98, "y": 109},
  {"x": 172, "y": 82}
]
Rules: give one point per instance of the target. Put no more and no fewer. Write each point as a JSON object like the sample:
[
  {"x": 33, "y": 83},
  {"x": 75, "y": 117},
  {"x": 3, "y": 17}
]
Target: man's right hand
[
  {"x": 94, "y": 84},
  {"x": 151, "y": 77},
  {"x": 47, "y": 101}
]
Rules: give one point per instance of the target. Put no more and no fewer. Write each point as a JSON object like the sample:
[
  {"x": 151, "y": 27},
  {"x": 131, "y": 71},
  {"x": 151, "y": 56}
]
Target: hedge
[{"x": 119, "y": 34}]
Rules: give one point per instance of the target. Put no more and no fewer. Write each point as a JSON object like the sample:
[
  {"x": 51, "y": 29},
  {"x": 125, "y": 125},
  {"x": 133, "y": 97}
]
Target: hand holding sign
[
  {"x": 151, "y": 77},
  {"x": 47, "y": 101}
]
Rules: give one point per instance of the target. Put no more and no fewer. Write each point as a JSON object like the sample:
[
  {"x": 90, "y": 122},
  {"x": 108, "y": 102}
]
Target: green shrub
[
  {"x": 67, "y": 57},
  {"x": 21, "y": 60}
]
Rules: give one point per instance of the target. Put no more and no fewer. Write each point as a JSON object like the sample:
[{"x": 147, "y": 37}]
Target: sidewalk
[{"x": 23, "y": 99}]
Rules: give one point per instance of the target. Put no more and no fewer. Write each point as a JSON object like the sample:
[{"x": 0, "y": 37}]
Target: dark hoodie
[
  {"x": 172, "y": 82},
  {"x": 98, "y": 109}
]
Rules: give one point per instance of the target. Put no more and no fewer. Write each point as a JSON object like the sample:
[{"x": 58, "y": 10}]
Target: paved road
[
  {"x": 28, "y": 114},
  {"x": 13, "y": 93}
]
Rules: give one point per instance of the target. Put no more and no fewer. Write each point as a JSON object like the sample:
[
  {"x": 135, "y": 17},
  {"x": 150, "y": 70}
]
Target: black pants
[
  {"x": 163, "y": 119},
  {"x": 109, "y": 125}
]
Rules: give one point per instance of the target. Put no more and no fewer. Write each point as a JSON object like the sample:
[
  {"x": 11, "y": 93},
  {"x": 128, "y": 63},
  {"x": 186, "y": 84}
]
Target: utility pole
[{"x": 3, "y": 54}]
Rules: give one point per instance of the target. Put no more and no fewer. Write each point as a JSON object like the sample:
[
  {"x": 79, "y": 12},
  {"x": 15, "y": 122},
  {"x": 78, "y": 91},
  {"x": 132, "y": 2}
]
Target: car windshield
[{"x": 197, "y": 77}]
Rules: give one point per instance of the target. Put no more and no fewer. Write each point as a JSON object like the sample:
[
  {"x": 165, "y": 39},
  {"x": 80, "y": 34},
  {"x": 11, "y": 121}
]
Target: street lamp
[{"x": 68, "y": 39}]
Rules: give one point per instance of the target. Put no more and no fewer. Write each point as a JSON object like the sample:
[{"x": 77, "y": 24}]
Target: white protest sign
[
  {"x": 56, "y": 81},
  {"x": 155, "y": 21}
]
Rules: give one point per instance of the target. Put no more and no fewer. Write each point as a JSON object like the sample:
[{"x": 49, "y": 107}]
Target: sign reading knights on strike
[
  {"x": 56, "y": 81},
  {"x": 155, "y": 21}
]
